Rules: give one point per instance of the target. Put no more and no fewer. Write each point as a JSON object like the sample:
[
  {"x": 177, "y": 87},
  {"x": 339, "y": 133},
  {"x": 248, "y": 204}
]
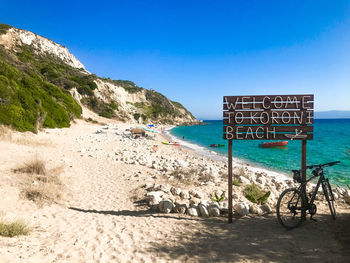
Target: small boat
[
  {"x": 171, "y": 143},
  {"x": 273, "y": 144},
  {"x": 217, "y": 145}
]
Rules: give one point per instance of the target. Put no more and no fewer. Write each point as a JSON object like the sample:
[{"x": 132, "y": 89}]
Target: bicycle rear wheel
[
  {"x": 289, "y": 208},
  {"x": 327, "y": 190}
]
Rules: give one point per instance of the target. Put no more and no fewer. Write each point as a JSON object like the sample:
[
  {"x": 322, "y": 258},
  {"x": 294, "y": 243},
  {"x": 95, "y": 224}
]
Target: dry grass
[
  {"x": 35, "y": 166},
  {"x": 31, "y": 142},
  {"x": 12, "y": 229},
  {"x": 40, "y": 184},
  {"x": 185, "y": 176},
  {"x": 5, "y": 133}
]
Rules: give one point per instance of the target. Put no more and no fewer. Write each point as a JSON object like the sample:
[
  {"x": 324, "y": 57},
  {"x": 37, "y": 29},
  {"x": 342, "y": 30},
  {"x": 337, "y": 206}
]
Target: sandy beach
[{"x": 102, "y": 214}]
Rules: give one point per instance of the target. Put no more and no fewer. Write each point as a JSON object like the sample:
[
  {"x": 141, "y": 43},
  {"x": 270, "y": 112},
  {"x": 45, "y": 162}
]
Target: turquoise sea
[{"x": 331, "y": 137}]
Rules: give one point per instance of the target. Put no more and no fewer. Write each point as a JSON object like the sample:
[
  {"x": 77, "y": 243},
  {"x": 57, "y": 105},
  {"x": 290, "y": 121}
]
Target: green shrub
[
  {"x": 13, "y": 229},
  {"x": 218, "y": 199},
  {"x": 128, "y": 85},
  {"x": 4, "y": 28},
  {"x": 254, "y": 194},
  {"x": 103, "y": 109},
  {"x": 236, "y": 182},
  {"x": 30, "y": 97},
  {"x": 113, "y": 105},
  {"x": 137, "y": 116}
]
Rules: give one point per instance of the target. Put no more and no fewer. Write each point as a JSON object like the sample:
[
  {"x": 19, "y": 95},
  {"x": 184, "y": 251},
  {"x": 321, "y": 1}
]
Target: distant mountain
[
  {"x": 42, "y": 85},
  {"x": 332, "y": 114}
]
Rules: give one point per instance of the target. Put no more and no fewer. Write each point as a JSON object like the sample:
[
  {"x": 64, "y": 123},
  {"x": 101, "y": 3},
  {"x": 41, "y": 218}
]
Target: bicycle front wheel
[
  {"x": 289, "y": 208},
  {"x": 327, "y": 190}
]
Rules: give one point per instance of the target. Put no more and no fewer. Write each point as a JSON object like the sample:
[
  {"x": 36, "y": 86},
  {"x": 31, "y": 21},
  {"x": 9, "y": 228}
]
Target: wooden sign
[{"x": 269, "y": 117}]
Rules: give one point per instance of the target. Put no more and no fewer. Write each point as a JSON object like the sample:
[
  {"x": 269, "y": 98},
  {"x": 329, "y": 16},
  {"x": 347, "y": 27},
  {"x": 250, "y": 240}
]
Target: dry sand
[{"x": 97, "y": 219}]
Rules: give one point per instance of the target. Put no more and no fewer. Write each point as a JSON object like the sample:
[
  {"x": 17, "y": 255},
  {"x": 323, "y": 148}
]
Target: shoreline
[{"x": 215, "y": 156}]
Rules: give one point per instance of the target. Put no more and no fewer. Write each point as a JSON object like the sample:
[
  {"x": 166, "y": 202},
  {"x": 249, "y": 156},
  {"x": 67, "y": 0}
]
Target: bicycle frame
[{"x": 306, "y": 203}]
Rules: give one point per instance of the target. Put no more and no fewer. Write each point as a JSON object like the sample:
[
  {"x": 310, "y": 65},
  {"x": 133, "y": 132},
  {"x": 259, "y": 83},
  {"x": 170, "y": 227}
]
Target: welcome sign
[{"x": 268, "y": 117}]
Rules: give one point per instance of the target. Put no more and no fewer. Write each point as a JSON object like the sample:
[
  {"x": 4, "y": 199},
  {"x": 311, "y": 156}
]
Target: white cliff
[{"x": 41, "y": 45}]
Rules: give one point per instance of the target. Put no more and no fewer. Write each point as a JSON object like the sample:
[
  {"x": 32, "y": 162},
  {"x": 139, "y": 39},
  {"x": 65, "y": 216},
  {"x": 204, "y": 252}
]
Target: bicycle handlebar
[
  {"x": 322, "y": 165},
  {"x": 317, "y": 166}
]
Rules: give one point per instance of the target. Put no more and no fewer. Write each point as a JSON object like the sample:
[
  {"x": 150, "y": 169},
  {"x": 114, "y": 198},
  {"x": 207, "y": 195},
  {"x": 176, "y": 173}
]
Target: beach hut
[{"x": 138, "y": 131}]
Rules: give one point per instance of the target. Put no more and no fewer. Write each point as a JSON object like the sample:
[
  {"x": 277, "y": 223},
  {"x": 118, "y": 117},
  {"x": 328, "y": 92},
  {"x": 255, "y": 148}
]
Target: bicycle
[{"x": 293, "y": 203}]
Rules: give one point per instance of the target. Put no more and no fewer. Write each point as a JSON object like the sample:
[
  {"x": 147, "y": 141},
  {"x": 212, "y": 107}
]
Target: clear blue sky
[{"x": 195, "y": 52}]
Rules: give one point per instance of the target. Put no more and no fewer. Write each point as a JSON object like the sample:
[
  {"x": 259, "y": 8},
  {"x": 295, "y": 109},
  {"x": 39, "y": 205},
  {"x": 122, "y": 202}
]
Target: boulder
[
  {"x": 193, "y": 211},
  {"x": 154, "y": 197},
  {"x": 346, "y": 196},
  {"x": 266, "y": 209},
  {"x": 198, "y": 195},
  {"x": 180, "y": 208},
  {"x": 254, "y": 209},
  {"x": 156, "y": 187},
  {"x": 203, "y": 209},
  {"x": 241, "y": 208},
  {"x": 165, "y": 188},
  {"x": 175, "y": 191},
  {"x": 166, "y": 206},
  {"x": 244, "y": 180},
  {"x": 223, "y": 206},
  {"x": 155, "y": 207},
  {"x": 214, "y": 210},
  {"x": 184, "y": 194},
  {"x": 261, "y": 180},
  {"x": 194, "y": 201}
]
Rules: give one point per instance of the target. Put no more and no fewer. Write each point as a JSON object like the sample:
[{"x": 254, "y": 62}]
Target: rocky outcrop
[{"x": 15, "y": 37}]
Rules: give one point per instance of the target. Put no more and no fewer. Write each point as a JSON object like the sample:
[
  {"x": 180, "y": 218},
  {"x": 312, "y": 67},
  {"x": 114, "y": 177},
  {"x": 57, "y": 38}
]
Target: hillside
[{"x": 43, "y": 85}]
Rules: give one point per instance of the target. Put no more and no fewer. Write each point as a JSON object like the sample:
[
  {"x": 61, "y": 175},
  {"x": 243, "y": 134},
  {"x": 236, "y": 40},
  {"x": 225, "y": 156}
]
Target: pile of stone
[{"x": 168, "y": 199}]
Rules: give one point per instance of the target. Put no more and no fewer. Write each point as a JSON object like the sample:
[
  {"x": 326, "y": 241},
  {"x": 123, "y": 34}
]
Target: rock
[
  {"x": 165, "y": 188},
  {"x": 155, "y": 207},
  {"x": 170, "y": 197},
  {"x": 154, "y": 197},
  {"x": 336, "y": 196},
  {"x": 198, "y": 195},
  {"x": 175, "y": 191},
  {"x": 184, "y": 194},
  {"x": 214, "y": 210},
  {"x": 192, "y": 211},
  {"x": 266, "y": 209},
  {"x": 194, "y": 201},
  {"x": 261, "y": 180},
  {"x": 166, "y": 206},
  {"x": 182, "y": 163},
  {"x": 180, "y": 208},
  {"x": 223, "y": 206},
  {"x": 346, "y": 196},
  {"x": 203, "y": 209},
  {"x": 241, "y": 208},
  {"x": 254, "y": 209},
  {"x": 156, "y": 187},
  {"x": 244, "y": 180}
]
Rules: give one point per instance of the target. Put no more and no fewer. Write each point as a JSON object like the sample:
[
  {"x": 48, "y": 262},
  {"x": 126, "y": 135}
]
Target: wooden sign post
[{"x": 267, "y": 117}]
